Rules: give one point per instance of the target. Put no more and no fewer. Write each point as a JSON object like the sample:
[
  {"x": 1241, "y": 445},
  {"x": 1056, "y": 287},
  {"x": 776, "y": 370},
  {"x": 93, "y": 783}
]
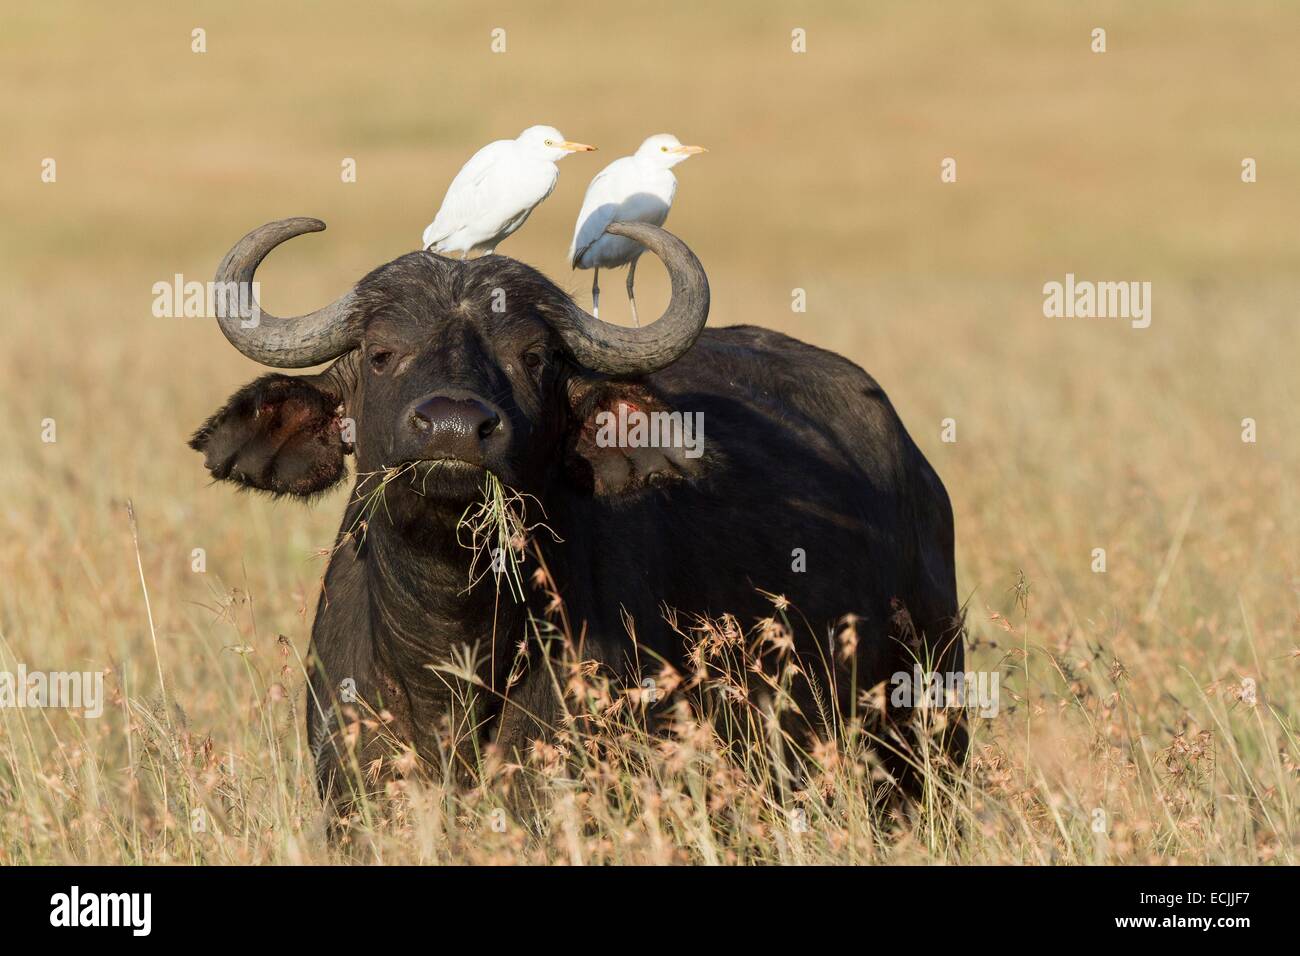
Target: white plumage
[
  {"x": 637, "y": 188},
  {"x": 495, "y": 191}
]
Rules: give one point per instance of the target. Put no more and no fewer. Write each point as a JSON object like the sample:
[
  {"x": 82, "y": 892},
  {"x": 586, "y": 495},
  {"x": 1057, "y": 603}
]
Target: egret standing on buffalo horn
[
  {"x": 495, "y": 191},
  {"x": 636, "y": 188}
]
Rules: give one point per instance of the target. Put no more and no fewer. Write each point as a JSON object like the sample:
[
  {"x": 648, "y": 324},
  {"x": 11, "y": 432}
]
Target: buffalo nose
[{"x": 454, "y": 427}]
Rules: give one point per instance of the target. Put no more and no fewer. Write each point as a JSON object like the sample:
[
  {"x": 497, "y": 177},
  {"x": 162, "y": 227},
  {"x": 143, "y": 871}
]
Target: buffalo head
[{"x": 452, "y": 367}]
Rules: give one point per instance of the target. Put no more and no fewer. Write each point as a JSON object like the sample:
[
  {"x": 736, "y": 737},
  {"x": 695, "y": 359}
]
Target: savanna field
[{"x": 1148, "y": 712}]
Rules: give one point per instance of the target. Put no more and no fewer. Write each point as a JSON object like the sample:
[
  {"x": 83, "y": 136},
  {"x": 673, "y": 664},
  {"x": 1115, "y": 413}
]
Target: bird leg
[
  {"x": 595, "y": 292},
  {"x": 631, "y": 298}
]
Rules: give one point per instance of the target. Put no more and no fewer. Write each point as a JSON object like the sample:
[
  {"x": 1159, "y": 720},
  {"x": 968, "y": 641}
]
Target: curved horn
[
  {"x": 282, "y": 343},
  {"x": 618, "y": 350}
]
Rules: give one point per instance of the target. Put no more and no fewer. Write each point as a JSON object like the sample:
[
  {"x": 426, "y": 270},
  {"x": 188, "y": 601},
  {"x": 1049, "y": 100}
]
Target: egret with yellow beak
[
  {"x": 495, "y": 191},
  {"x": 636, "y": 188}
]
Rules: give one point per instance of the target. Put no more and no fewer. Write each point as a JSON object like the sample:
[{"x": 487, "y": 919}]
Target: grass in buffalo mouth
[
  {"x": 373, "y": 485},
  {"x": 372, "y": 498},
  {"x": 496, "y": 531}
]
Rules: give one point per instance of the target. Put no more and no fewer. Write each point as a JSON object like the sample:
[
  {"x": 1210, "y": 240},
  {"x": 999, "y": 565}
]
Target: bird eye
[
  {"x": 549, "y": 143},
  {"x": 379, "y": 359},
  {"x": 663, "y": 149}
]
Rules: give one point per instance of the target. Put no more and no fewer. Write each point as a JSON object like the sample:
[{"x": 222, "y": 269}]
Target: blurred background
[{"x": 823, "y": 175}]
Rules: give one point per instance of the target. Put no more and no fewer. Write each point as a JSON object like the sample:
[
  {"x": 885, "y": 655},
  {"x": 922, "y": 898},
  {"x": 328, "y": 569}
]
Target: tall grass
[{"x": 718, "y": 765}]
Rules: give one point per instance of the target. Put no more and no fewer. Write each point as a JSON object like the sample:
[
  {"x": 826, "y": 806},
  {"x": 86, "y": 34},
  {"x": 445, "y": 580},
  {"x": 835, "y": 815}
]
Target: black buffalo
[{"x": 808, "y": 486}]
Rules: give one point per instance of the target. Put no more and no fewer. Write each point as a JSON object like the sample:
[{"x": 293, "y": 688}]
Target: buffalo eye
[
  {"x": 534, "y": 359},
  {"x": 538, "y": 359},
  {"x": 379, "y": 359}
]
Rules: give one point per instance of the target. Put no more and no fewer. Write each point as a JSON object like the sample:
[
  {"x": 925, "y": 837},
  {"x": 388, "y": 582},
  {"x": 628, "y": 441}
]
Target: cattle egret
[
  {"x": 495, "y": 191},
  {"x": 637, "y": 188}
]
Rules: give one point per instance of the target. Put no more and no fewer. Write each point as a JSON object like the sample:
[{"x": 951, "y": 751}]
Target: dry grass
[{"x": 1124, "y": 692}]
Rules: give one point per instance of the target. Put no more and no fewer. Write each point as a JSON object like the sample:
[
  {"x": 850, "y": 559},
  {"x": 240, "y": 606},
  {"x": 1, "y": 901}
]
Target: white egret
[
  {"x": 495, "y": 191},
  {"x": 638, "y": 188}
]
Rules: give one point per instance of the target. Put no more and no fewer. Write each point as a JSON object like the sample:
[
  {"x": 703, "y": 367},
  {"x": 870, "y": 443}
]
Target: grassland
[{"x": 1162, "y": 692}]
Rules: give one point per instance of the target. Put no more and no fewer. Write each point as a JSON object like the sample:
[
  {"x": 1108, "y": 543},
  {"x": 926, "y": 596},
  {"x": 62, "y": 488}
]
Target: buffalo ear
[
  {"x": 600, "y": 462},
  {"x": 281, "y": 434}
]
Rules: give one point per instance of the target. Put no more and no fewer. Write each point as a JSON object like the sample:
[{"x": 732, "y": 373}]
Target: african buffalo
[{"x": 806, "y": 484}]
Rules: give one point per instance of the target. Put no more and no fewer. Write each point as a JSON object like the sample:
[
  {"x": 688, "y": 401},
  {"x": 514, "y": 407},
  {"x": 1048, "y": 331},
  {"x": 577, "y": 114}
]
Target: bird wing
[
  {"x": 598, "y": 208},
  {"x": 467, "y": 195},
  {"x": 648, "y": 206},
  {"x": 616, "y": 194}
]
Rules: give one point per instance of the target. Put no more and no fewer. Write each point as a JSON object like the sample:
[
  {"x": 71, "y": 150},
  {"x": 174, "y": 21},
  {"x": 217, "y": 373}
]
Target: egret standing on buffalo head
[
  {"x": 495, "y": 191},
  {"x": 636, "y": 188}
]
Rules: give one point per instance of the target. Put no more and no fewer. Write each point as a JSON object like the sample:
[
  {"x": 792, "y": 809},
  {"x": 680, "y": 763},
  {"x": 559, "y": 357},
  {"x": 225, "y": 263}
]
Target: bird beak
[
  {"x": 688, "y": 150},
  {"x": 577, "y": 147}
]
